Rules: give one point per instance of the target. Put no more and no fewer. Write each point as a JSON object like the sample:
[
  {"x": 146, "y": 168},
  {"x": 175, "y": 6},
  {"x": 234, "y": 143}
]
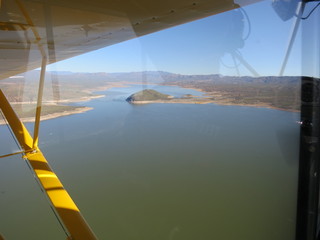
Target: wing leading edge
[{"x": 65, "y": 29}]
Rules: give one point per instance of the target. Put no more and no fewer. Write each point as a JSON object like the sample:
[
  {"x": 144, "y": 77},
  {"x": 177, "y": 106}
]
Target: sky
[{"x": 227, "y": 44}]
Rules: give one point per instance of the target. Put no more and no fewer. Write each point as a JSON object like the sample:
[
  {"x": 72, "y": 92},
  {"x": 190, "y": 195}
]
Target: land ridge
[{"x": 66, "y": 87}]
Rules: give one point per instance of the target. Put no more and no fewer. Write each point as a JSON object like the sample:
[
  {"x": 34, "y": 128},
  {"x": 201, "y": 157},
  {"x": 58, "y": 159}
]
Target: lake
[{"x": 161, "y": 171}]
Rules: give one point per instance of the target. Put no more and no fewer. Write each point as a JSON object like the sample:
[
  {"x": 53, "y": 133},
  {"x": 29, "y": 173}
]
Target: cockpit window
[{"x": 191, "y": 132}]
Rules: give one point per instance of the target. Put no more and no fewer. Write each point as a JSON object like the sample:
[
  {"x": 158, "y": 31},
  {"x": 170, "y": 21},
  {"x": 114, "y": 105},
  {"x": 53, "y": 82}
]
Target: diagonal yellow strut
[
  {"x": 75, "y": 225},
  {"x": 63, "y": 204}
]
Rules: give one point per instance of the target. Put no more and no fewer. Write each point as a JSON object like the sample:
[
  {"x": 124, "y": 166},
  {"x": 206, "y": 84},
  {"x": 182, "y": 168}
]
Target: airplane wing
[{"x": 64, "y": 29}]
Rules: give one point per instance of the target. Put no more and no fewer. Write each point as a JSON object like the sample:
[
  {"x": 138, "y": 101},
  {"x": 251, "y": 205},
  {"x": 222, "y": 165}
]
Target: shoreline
[
  {"x": 70, "y": 100},
  {"x": 53, "y": 115},
  {"x": 221, "y": 102},
  {"x": 204, "y": 99},
  {"x": 198, "y": 101},
  {"x": 175, "y": 100}
]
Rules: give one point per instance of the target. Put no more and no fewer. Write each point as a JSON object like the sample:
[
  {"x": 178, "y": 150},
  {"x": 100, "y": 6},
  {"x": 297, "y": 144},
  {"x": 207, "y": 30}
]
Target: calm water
[{"x": 161, "y": 172}]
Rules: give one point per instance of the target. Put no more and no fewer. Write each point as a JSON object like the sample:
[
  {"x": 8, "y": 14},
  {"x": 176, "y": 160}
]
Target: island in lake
[
  {"x": 151, "y": 96},
  {"x": 147, "y": 95}
]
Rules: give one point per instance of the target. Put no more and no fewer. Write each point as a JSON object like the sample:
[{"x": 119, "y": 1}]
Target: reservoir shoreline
[{"x": 205, "y": 99}]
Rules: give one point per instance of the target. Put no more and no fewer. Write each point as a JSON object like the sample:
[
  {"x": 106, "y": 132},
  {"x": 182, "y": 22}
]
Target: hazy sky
[{"x": 207, "y": 46}]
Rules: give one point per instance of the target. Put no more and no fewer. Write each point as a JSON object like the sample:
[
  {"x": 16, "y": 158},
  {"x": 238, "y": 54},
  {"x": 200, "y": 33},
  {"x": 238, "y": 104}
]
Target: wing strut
[
  {"x": 42, "y": 72},
  {"x": 66, "y": 209}
]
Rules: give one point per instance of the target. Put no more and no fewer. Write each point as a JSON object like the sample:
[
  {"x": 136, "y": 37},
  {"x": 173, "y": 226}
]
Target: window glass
[{"x": 187, "y": 133}]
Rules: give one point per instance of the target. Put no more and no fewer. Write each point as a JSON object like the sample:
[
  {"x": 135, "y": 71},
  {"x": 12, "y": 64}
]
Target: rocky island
[
  {"x": 148, "y": 96},
  {"x": 152, "y": 96}
]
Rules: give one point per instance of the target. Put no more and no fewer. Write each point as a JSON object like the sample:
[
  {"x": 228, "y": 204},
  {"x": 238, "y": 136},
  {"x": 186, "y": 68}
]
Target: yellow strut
[
  {"x": 66, "y": 209},
  {"x": 63, "y": 204}
]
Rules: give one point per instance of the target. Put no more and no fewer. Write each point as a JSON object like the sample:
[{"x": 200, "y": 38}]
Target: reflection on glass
[{"x": 186, "y": 133}]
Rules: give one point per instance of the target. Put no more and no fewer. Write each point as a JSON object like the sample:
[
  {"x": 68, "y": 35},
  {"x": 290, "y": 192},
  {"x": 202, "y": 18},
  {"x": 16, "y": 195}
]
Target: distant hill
[
  {"x": 147, "y": 95},
  {"x": 271, "y": 91}
]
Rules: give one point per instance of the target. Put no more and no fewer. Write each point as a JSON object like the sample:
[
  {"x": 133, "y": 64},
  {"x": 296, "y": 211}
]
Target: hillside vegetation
[{"x": 147, "y": 95}]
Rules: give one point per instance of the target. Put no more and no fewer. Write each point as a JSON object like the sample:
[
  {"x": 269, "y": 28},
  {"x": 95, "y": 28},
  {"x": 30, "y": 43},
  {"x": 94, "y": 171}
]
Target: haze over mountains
[{"x": 161, "y": 77}]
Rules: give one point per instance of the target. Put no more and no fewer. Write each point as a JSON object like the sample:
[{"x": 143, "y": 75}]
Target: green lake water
[{"x": 161, "y": 172}]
